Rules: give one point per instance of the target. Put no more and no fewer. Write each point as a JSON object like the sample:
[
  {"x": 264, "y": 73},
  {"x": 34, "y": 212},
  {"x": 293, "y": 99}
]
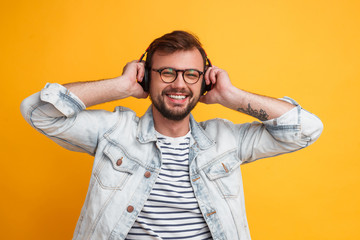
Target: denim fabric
[{"x": 125, "y": 149}]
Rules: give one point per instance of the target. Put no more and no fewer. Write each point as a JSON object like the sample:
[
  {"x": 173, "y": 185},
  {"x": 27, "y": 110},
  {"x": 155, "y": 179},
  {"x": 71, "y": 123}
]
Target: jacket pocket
[
  {"x": 225, "y": 173},
  {"x": 114, "y": 169}
]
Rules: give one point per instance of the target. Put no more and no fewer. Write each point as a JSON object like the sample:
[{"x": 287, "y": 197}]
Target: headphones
[{"x": 146, "y": 80}]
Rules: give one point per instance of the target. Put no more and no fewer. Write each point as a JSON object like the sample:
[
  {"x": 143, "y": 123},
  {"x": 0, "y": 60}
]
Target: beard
[{"x": 176, "y": 113}]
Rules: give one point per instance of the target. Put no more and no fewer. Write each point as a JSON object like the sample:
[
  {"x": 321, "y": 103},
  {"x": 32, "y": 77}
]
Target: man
[{"x": 164, "y": 175}]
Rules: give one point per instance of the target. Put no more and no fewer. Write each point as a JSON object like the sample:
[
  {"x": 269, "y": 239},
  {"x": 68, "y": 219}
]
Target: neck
[{"x": 170, "y": 128}]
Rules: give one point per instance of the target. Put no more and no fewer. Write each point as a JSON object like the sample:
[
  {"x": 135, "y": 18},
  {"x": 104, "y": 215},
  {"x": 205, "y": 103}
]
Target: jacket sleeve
[
  {"x": 290, "y": 132},
  {"x": 62, "y": 117}
]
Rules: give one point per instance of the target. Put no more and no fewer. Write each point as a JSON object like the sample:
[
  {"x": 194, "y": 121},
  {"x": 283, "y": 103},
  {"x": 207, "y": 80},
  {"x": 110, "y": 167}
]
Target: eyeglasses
[{"x": 168, "y": 75}]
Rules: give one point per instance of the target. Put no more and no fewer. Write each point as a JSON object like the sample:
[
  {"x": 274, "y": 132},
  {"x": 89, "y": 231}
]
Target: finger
[
  {"x": 140, "y": 68},
  {"x": 213, "y": 75},
  {"x": 207, "y": 73}
]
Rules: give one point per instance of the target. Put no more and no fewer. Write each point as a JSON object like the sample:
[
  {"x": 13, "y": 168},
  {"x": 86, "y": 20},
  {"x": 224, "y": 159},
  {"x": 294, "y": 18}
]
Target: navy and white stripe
[{"x": 171, "y": 211}]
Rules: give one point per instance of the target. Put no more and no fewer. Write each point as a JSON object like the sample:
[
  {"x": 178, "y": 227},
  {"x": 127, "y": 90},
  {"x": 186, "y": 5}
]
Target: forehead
[{"x": 180, "y": 59}]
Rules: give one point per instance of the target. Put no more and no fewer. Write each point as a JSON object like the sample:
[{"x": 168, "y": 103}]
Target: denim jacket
[{"x": 127, "y": 159}]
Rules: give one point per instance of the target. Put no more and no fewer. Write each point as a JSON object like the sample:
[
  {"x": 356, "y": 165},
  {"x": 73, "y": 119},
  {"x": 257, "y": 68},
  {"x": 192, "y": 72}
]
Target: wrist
[
  {"x": 232, "y": 97},
  {"x": 118, "y": 87}
]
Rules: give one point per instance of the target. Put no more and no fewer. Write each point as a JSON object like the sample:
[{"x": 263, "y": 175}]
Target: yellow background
[{"x": 308, "y": 50}]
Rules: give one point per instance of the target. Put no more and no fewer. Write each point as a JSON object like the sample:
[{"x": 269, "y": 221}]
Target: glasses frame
[{"x": 177, "y": 71}]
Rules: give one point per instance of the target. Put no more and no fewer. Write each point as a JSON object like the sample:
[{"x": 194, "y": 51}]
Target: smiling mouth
[{"x": 177, "y": 97}]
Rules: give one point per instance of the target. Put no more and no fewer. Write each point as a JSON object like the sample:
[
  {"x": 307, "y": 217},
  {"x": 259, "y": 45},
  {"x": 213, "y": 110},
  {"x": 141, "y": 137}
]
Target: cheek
[
  {"x": 153, "y": 84},
  {"x": 156, "y": 88},
  {"x": 197, "y": 89}
]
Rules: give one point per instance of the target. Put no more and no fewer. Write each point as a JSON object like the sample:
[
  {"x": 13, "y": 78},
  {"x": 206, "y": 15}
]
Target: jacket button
[
  {"x": 119, "y": 162},
  {"x": 130, "y": 209},
  {"x": 147, "y": 174}
]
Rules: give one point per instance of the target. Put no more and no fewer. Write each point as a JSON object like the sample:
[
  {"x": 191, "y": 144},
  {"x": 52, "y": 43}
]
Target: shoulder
[
  {"x": 126, "y": 113},
  {"x": 121, "y": 116}
]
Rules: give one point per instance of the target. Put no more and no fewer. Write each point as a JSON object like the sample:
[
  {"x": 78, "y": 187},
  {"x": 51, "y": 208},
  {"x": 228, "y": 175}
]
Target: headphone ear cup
[
  {"x": 145, "y": 84},
  {"x": 204, "y": 87}
]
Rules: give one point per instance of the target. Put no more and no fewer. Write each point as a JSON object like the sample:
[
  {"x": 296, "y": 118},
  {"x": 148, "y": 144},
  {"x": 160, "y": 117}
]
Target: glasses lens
[
  {"x": 191, "y": 75},
  {"x": 168, "y": 74}
]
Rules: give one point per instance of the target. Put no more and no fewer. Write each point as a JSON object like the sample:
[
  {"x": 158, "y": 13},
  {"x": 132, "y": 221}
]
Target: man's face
[{"x": 175, "y": 100}]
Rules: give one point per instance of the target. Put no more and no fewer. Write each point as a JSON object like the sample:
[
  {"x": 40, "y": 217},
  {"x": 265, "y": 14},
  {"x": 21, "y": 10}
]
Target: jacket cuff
[
  {"x": 291, "y": 117},
  {"x": 62, "y": 99}
]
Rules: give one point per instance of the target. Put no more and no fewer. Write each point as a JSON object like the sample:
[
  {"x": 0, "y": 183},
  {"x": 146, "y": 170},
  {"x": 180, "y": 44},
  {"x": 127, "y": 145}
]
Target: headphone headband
[{"x": 142, "y": 56}]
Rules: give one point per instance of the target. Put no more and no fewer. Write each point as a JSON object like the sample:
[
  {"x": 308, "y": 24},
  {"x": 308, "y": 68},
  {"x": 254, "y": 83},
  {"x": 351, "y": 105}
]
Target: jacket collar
[{"x": 146, "y": 131}]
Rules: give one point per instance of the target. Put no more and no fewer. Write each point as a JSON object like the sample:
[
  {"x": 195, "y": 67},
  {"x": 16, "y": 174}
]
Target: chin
[{"x": 175, "y": 113}]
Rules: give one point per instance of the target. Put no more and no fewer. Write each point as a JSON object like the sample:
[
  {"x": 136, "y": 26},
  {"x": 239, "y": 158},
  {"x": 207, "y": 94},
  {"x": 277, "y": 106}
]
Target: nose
[{"x": 179, "y": 81}]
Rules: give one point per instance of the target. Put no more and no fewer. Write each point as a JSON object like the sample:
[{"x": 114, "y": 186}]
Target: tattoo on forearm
[{"x": 262, "y": 115}]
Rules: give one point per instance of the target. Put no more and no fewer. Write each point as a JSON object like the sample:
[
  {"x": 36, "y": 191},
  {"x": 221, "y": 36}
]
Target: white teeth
[{"x": 177, "y": 96}]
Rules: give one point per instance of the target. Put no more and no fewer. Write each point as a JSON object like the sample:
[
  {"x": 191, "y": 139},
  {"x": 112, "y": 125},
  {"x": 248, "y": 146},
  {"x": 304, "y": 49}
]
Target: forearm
[
  {"x": 258, "y": 106},
  {"x": 226, "y": 94},
  {"x": 97, "y": 92}
]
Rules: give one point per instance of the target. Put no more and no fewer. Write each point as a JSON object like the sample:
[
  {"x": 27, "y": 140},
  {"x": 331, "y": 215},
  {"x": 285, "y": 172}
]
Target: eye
[
  {"x": 168, "y": 72},
  {"x": 192, "y": 74}
]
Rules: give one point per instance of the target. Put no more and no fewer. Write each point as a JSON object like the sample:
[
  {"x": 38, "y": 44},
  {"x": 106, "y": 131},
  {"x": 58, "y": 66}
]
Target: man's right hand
[{"x": 133, "y": 73}]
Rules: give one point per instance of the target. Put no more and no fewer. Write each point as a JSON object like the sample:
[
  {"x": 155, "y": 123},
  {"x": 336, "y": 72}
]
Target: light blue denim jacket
[{"x": 125, "y": 149}]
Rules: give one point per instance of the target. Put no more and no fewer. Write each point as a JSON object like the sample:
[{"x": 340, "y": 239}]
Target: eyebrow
[{"x": 180, "y": 69}]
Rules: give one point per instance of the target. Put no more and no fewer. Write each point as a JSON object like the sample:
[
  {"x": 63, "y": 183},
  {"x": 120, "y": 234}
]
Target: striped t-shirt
[{"x": 171, "y": 211}]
